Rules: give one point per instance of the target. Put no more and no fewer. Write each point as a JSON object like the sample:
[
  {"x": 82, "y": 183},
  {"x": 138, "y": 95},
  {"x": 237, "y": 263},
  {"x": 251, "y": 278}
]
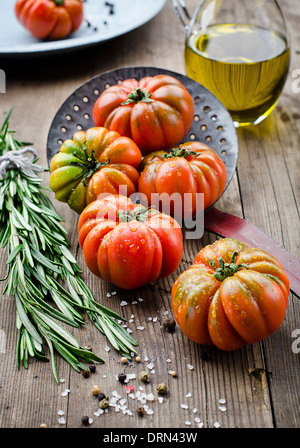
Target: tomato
[
  {"x": 50, "y": 19},
  {"x": 127, "y": 244},
  {"x": 95, "y": 162},
  {"x": 156, "y": 112},
  {"x": 232, "y": 295},
  {"x": 187, "y": 170}
]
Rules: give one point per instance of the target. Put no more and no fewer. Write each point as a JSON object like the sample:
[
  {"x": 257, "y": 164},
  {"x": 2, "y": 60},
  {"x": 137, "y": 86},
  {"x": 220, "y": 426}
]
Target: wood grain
[{"x": 260, "y": 383}]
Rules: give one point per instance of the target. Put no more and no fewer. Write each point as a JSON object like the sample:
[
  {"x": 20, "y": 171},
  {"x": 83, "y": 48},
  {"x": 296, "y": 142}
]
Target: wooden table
[{"x": 259, "y": 382}]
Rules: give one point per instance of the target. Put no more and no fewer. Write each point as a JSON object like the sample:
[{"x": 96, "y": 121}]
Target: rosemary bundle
[{"x": 43, "y": 276}]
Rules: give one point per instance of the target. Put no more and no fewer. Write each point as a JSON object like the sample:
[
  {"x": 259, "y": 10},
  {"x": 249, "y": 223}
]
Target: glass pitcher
[{"x": 239, "y": 50}]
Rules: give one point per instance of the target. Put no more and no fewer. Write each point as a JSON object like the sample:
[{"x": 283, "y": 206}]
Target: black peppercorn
[
  {"x": 140, "y": 411},
  {"x": 92, "y": 368},
  {"x": 85, "y": 373},
  {"x": 101, "y": 397},
  {"x": 85, "y": 420},
  {"x": 122, "y": 377},
  {"x": 169, "y": 324}
]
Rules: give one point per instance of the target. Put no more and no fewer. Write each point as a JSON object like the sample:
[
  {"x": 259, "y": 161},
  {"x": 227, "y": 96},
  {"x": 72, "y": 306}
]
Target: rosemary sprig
[{"x": 43, "y": 276}]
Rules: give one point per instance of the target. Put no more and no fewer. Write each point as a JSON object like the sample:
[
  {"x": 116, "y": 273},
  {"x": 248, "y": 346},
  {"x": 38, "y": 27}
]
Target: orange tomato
[{"x": 231, "y": 296}]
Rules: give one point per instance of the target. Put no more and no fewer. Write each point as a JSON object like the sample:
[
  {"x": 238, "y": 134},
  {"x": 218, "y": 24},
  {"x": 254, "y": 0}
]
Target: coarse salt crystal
[
  {"x": 90, "y": 421},
  {"x": 123, "y": 303},
  {"x": 187, "y": 422},
  {"x": 222, "y": 401},
  {"x": 188, "y": 395},
  {"x": 146, "y": 358},
  {"x": 217, "y": 425},
  {"x": 160, "y": 399},
  {"x": 131, "y": 376},
  {"x": 166, "y": 313},
  {"x": 61, "y": 420},
  {"x": 194, "y": 410},
  {"x": 154, "y": 319},
  {"x": 61, "y": 412},
  {"x": 150, "y": 397},
  {"x": 190, "y": 367},
  {"x": 197, "y": 419},
  {"x": 65, "y": 392},
  {"x": 122, "y": 402},
  {"x": 152, "y": 371},
  {"x": 140, "y": 299},
  {"x": 200, "y": 425},
  {"x": 113, "y": 293},
  {"x": 150, "y": 365},
  {"x": 149, "y": 318},
  {"x": 128, "y": 330},
  {"x": 168, "y": 360},
  {"x": 134, "y": 302},
  {"x": 108, "y": 294},
  {"x": 150, "y": 411},
  {"x": 130, "y": 321},
  {"x": 140, "y": 327},
  {"x": 107, "y": 349},
  {"x": 222, "y": 408},
  {"x": 184, "y": 406}
]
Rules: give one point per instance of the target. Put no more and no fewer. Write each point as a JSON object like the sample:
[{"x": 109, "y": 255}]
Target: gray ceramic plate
[{"x": 100, "y": 25}]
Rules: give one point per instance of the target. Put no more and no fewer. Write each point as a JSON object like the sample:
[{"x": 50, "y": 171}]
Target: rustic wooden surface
[{"x": 260, "y": 382}]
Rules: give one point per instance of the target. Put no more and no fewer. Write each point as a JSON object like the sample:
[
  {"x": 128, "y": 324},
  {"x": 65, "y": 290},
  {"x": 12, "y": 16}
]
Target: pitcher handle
[{"x": 182, "y": 12}]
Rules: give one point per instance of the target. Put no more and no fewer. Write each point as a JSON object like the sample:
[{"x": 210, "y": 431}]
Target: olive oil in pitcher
[{"x": 245, "y": 66}]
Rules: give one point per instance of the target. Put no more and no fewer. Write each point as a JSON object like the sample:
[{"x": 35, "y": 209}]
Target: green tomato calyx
[
  {"x": 138, "y": 95},
  {"x": 226, "y": 269}
]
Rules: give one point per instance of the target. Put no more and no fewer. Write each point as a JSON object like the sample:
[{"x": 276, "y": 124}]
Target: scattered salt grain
[
  {"x": 184, "y": 406},
  {"x": 187, "y": 422},
  {"x": 188, "y": 395},
  {"x": 132, "y": 316},
  {"x": 130, "y": 321},
  {"x": 152, "y": 371},
  {"x": 65, "y": 392},
  {"x": 123, "y": 303},
  {"x": 223, "y": 408},
  {"x": 150, "y": 411},
  {"x": 134, "y": 302},
  {"x": 107, "y": 349},
  {"x": 200, "y": 425},
  {"x": 140, "y": 327},
  {"x": 128, "y": 330},
  {"x": 113, "y": 293},
  {"x": 61, "y": 420},
  {"x": 61, "y": 412},
  {"x": 197, "y": 419},
  {"x": 62, "y": 380},
  {"x": 90, "y": 421},
  {"x": 194, "y": 410},
  {"x": 146, "y": 358},
  {"x": 190, "y": 367},
  {"x": 217, "y": 425},
  {"x": 222, "y": 401},
  {"x": 160, "y": 399},
  {"x": 140, "y": 299},
  {"x": 149, "y": 318},
  {"x": 150, "y": 365},
  {"x": 150, "y": 397},
  {"x": 131, "y": 376},
  {"x": 166, "y": 313},
  {"x": 108, "y": 294},
  {"x": 168, "y": 360},
  {"x": 154, "y": 319}
]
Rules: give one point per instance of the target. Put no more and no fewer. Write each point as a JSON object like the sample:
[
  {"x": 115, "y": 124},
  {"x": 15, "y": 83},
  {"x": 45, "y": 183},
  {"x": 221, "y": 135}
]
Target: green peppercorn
[
  {"x": 144, "y": 376},
  {"x": 162, "y": 388},
  {"x": 104, "y": 404}
]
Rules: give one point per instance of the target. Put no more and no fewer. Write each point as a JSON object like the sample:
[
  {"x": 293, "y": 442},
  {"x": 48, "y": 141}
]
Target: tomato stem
[
  {"x": 141, "y": 214},
  {"x": 138, "y": 95},
  {"x": 226, "y": 269},
  {"x": 89, "y": 160},
  {"x": 179, "y": 151},
  {"x": 58, "y": 2}
]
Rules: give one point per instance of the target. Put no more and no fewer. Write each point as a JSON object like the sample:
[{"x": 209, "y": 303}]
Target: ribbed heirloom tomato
[
  {"x": 128, "y": 244},
  {"x": 95, "y": 162},
  {"x": 231, "y": 296},
  {"x": 50, "y": 19},
  {"x": 187, "y": 170},
  {"x": 156, "y": 112}
]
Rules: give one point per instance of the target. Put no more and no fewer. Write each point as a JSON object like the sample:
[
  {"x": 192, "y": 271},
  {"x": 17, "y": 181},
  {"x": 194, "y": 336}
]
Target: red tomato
[
  {"x": 127, "y": 244},
  {"x": 156, "y": 112},
  {"x": 231, "y": 296},
  {"x": 190, "y": 169},
  {"x": 50, "y": 19}
]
